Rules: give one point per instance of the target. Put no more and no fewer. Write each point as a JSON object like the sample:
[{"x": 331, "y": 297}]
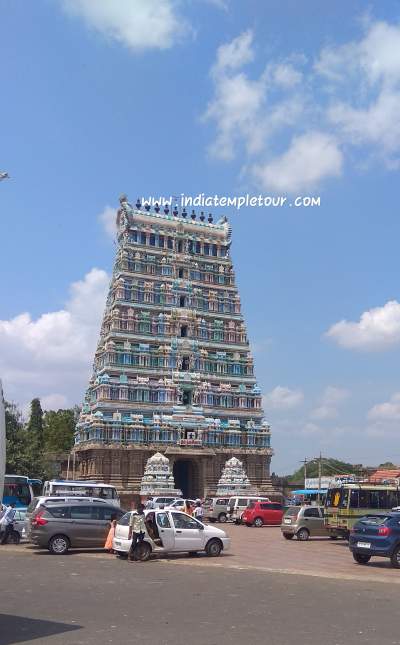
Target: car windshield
[
  {"x": 293, "y": 510},
  {"x": 375, "y": 520}
]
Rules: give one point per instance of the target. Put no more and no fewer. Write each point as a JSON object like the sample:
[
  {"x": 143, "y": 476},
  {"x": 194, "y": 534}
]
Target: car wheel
[
  {"x": 395, "y": 558},
  {"x": 288, "y": 536},
  {"x": 222, "y": 518},
  {"x": 58, "y": 545},
  {"x": 361, "y": 558},
  {"x": 142, "y": 552},
  {"x": 258, "y": 522},
  {"x": 213, "y": 548},
  {"x": 303, "y": 535}
]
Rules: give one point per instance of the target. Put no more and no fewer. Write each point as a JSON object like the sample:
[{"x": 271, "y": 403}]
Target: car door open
[
  {"x": 189, "y": 533},
  {"x": 165, "y": 531}
]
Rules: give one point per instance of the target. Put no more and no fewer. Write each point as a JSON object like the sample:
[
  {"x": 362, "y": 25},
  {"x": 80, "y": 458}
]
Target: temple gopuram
[{"x": 173, "y": 372}]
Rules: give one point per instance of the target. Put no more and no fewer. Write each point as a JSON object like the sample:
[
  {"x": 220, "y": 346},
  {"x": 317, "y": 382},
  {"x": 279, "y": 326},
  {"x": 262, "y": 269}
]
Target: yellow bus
[{"x": 346, "y": 503}]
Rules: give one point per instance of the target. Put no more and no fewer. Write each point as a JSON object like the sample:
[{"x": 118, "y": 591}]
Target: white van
[{"x": 237, "y": 505}]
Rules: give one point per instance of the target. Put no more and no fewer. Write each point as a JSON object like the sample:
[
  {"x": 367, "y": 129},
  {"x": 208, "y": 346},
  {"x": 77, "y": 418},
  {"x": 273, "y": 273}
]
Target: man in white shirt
[{"x": 6, "y": 522}]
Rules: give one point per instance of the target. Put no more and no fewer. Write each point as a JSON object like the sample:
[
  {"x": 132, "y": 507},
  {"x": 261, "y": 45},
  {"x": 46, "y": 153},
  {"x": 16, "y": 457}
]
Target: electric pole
[{"x": 319, "y": 477}]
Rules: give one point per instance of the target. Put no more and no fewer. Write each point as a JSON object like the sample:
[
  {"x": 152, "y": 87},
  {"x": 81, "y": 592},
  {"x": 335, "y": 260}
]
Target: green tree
[
  {"x": 58, "y": 430},
  {"x": 35, "y": 439},
  {"x": 329, "y": 467},
  {"x": 17, "y": 459}
]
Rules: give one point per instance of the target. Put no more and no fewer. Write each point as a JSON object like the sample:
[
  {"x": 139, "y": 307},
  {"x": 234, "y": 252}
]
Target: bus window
[
  {"x": 333, "y": 497},
  {"x": 393, "y": 498},
  {"x": 353, "y": 498},
  {"x": 344, "y": 497},
  {"x": 105, "y": 493},
  {"x": 364, "y": 499},
  {"x": 374, "y": 498}
]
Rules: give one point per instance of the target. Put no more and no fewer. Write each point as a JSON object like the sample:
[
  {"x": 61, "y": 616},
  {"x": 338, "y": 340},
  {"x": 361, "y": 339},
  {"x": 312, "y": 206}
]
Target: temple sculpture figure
[
  {"x": 158, "y": 478},
  {"x": 173, "y": 371},
  {"x": 234, "y": 480}
]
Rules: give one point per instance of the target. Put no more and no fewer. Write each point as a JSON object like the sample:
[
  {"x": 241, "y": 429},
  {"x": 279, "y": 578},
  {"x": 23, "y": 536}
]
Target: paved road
[{"x": 95, "y": 600}]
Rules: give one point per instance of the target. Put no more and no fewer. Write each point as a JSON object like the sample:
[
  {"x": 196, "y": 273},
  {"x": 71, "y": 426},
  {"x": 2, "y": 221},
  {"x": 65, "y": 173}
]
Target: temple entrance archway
[{"x": 187, "y": 478}]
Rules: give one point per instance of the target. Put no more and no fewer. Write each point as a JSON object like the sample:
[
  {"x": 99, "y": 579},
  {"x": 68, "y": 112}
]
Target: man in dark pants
[{"x": 137, "y": 528}]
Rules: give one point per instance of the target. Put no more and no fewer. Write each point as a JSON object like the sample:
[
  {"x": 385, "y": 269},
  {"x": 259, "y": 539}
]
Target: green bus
[{"x": 346, "y": 503}]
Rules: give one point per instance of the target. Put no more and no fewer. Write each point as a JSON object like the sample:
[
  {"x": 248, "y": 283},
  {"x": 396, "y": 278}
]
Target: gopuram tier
[{"x": 173, "y": 372}]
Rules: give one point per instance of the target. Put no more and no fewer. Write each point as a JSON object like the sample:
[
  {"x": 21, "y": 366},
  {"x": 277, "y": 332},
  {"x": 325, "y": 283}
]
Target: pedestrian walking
[
  {"x": 137, "y": 528},
  {"x": 110, "y": 537},
  {"x": 198, "y": 511}
]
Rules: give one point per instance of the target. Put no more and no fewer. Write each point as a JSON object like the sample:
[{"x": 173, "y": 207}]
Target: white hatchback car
[{"x": 170, "y": 531}]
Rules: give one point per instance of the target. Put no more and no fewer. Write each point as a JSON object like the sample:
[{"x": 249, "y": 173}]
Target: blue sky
[{"x": 160, "y": 97}]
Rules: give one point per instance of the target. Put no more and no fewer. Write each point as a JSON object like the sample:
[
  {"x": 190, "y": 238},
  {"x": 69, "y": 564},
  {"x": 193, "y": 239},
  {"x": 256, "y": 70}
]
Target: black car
[{"x": 376, "y": 535}]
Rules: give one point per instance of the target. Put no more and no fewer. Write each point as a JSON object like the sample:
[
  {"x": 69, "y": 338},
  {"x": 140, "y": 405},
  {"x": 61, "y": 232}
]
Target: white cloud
[
  {"x": 286, "y": 75},
  {"x": 108, "y": 220},
  {"x": 54, "y": 401},
  {"x": 330, "y": 401},
  {"x": 388, "y": 411},
  {"x": 311, "y": 157},
  {"x": 51, "y": 356},
  {"x": 283, "y": 398},
  {"x": 138, "y": 25},
  {"x": 377, "y": 329},
  {"x": 350, "y": 97}
]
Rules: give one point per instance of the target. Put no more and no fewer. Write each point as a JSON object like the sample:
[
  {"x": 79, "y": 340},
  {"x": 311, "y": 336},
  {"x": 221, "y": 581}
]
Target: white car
[
  {"x": 163, "y": 502},
  {"x": 179, "y": 503},
  {"x": 170, "y": 531}
]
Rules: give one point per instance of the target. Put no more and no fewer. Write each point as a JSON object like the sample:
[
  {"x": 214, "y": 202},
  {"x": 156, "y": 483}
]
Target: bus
[
  {"x": 20, "y": 490},
  {"x": 81, "y": 488},
  {"x": 346, "y": 503}
]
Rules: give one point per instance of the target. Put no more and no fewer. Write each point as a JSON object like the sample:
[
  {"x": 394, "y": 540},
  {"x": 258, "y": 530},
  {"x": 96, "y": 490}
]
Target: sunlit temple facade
[{"x": 173, "y": 372}]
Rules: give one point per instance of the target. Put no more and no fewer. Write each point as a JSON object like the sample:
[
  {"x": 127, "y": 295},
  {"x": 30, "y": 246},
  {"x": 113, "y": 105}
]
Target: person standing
[
  {"x": 137, "y": 528},
  {"x": 149, "y": 503},
  {"x": 187, "y": 508},
  {"x": 6, "y": 523},
  {"x": 109, "y": 541},
  {"x": 198, "y": 511}
]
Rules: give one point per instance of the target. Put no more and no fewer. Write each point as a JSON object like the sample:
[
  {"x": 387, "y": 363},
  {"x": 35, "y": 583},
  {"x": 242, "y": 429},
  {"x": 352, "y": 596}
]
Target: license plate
[
  {"x": 287, "y": 521},
  {"x": 364, "y": 545}
]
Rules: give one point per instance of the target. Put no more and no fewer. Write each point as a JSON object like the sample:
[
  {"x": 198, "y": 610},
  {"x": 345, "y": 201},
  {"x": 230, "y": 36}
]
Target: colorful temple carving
[
  {"x": 234, "y": 480},
  {"x": 158, "y": 478},
  {"x": 173, "y": 372}
]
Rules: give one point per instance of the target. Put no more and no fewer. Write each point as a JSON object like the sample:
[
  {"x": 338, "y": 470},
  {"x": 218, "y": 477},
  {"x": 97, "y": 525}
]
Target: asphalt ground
[{"x": 258, "y": 593}]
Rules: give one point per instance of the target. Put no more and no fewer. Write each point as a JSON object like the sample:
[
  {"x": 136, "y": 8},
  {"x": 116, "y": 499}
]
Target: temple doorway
[{"x": 186, "y": 475}]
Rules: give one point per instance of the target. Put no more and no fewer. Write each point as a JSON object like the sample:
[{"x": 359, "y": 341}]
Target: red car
[{"x": 259, "y": 513}]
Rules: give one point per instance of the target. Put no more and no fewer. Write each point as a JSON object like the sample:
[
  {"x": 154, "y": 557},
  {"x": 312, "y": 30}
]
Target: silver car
[
  {"x": 59, "y": 527},
  {"x": 216, "y": 509}
]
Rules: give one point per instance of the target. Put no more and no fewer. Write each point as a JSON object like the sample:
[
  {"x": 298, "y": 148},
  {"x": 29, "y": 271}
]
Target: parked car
[
  {"x": 162, "y": 502},
  {"x": 216, "y": 509},
  {"x": 261, "y": 513},
  {"x": 59, "y": 527},
  {"x": 237, "y": 505},
  {"x": 376, "y": 535},
  {"x": 179, "y": 503},
  {"x": 44, "y": 500},
  {"x": 304, "y": 522},
  {"x": 171, "y": 531},
  {"x": 19, "y": 522}
]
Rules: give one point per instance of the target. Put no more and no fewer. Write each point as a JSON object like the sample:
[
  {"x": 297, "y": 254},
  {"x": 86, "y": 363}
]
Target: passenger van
[
  {"x": 237, "y": 505},
  {"x": 59, "y": 527}
]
